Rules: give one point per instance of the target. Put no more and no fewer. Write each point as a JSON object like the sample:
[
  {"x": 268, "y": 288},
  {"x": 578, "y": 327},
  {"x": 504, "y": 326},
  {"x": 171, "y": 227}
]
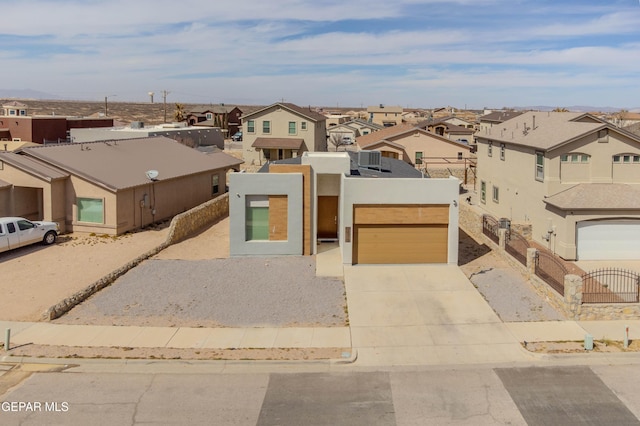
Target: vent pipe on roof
[{"x": 534, "y": 122}]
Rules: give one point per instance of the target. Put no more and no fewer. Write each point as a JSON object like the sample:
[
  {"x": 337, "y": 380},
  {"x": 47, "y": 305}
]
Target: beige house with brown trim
[
  {"x": 384, "y": 115},
  {"x": 110, "y": 187},
  {"x": 573, "y": 177},
  {"x": 280, "y": 131},
  {"x": 431, "y": 153}
]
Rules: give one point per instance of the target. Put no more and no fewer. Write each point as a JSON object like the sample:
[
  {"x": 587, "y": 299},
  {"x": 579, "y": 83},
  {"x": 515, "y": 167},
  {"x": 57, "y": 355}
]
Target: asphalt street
[{"x": 555, "y": 395}]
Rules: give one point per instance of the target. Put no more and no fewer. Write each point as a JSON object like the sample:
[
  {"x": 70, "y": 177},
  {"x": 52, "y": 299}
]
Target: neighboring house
[
  {"x": 282, "y": 130},
  {"x": 434, "y": 154},
  {"x": 458, "y": 121},
  {"x": 385, "y": 116},
  {"x": 493, "y": 119},
  {"x": 335, "y": 119},
  {"x": 573, "y": 177},
  {"x": 450, "y": 131},
  {"x": 110, "y": 187},
  {"x": 223, "y": 116},
  {"x": 16, "y": 125},
  {"x": 625, "y": 118},
  {"x": 379, "y": 210},
  {"x": 192, "y": 136},
  {"x": 352, "y": 129}
]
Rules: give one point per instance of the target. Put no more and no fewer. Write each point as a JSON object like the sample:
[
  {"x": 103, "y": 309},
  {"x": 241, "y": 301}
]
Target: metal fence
[
  {"x": 517, "y": 245},
  {"x": 610, "y": 285},
  {"x": 490, "y": 227},
  {"x": 550, "y": 270}
]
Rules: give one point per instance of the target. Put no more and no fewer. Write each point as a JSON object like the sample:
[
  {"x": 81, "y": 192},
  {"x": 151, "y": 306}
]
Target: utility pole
[
  {"x": 106, "y": 107},
  {"x": 164, "y": 98}
]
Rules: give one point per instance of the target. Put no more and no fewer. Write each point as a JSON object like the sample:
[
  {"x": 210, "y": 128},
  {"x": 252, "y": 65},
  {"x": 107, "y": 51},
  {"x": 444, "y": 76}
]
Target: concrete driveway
[{"x": 423, "y": 314}]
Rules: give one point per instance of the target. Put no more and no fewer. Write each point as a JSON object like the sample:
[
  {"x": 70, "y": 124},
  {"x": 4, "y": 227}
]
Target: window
[
  {"x": 418, "y": 157},
  {"x": 490, "y": 149},
  {"x": 215, "y": 182},
  {"x": 11, "y": 228},
  {"x": 266, "y": 126},
  {"x": 90, "y": 210},
  {"x": 292, "y": 128},
  {"x": 575, "y": 158},
  {"x": 12, "y": 112},
  {"x": 496, "y": 194},
  {"x": 23, "y": 225},
  {"x": 626, "y": 158},
  {"x": 459, "y": 156},
  {"x": 483, "y": 192},
  {"x": 257, "y": 217},
  {"x": 303, "y": 125},
  {"x": 539, "y": 166},
  {"x": 267, "y": 154},
  {"x": 502, "y": 151},
  {"x": 365, "y": 132},
  {"x": 23, "y": 112},
  {"x": 251, "y": 126},
  {"x": 209, "y": 116}
]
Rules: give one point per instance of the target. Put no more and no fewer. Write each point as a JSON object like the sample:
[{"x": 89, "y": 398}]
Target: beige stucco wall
[
  {"x": 315, "y": 136},
  {"x": 521, "y": 196}
]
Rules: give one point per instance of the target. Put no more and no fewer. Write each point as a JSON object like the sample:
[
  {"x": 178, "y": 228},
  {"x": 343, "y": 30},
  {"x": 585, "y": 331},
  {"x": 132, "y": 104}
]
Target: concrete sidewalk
[{"x": 24, "y": 333}]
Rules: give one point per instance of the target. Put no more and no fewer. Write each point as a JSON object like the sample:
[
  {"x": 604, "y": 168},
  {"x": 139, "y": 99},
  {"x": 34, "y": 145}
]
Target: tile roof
[
  {"x": 285, "y": 143},
  {"x": 32, "y": 166},
  {"x": 597, "y": 196},
  {"x": 544, "y": 130},
  {"x": 122, "y": 164},
  {"x": 305, "y": 112}
]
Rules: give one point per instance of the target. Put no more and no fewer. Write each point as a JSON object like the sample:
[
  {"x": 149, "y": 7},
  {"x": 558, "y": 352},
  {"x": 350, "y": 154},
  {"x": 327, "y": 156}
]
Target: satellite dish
[{"x": 152, "y": 174}]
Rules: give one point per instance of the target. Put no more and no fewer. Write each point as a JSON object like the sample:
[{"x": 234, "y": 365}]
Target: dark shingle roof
[{"x": 389, "y": 168}]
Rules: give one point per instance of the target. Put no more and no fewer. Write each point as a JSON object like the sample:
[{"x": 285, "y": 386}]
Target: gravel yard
[{"x": 235, "y": 292}]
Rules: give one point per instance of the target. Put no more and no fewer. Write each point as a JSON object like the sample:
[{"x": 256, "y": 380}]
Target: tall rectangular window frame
[
  {"x": 495, "y": 196},
  {"x": 215, "y": 184},
  {"x": 251, "y": 126},
  {"x": 502, "y": 151},
  {"x": 90, "y": 210},
  {"x": 266, "y": 127},
  {"x": 257, "y": 218},
  {"x": 303, "y": 125},
  {"x": 418, "y": 157},
  {"x": 483, "y": 192},
  {"x": 539, "y": 166},
  {"x": 293, "y": 128},
  {"x": 490, "y": 149}
]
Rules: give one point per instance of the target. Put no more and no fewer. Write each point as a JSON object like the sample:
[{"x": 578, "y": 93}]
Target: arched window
[
  {"x": 575, "y": 157},
  {"x": 626, "y": 159}
]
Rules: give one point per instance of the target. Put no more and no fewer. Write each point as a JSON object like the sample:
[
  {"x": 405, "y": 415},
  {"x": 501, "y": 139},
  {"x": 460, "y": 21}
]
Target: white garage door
[{"x": 611, "y": 239}]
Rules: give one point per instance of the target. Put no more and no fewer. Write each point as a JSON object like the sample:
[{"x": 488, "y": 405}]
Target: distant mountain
[
  {"x": 576, "y": 108},
  {"x": 26, "y": 94}
]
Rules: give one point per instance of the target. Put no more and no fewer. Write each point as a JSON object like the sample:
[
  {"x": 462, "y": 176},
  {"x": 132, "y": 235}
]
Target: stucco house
[
  {"x": 431, "y": 153},
  {"x": 384, "y": 115},
  {"x": 378, "y": 210},
  {"x": 226, "y": 117},
  {"x": 448, "y": 130},
  {"x": 495, "y": 118},
  {"x": 352, "y": 129},
  {"x": 282, "y": 130},
  {"x": 573, "y": 177},
  {"x": 109, "y": 187}
]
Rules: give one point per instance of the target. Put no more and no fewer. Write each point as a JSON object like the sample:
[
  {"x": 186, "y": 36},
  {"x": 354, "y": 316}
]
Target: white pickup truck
[{"x": 17, "y": 232}]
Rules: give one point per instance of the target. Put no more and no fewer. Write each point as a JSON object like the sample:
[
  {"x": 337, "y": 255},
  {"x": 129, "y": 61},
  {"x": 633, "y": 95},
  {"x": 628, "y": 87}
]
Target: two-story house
[
  {"x": 575, "y": 178},
  {"x": 224, "y": 116},
  {"x": 282, "y": 130},
  {"x": 385, "y": 115}
]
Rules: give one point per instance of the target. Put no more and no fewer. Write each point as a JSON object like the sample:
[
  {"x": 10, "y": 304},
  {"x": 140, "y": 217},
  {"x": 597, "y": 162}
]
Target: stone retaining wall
[
  {"x": 182, "y": 226},
  {"x": 436, "y": 172}
]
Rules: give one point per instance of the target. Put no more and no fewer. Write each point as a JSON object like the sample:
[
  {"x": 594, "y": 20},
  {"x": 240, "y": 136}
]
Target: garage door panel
[
  {"x": 401, "y": 244},
  {"x": 608, "y": 240}
]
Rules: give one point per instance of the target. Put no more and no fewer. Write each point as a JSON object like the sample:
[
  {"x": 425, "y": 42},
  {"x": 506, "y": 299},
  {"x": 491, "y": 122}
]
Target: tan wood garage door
[{"x": 400, "y": 234}]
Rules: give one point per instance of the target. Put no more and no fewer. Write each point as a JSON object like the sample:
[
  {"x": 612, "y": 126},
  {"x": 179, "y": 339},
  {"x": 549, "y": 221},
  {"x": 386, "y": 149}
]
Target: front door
[{"x": 328, "y": 217}]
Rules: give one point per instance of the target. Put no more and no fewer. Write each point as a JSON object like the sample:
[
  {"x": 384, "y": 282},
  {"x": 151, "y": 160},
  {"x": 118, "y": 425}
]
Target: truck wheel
[{"x": 49, "y": 238}]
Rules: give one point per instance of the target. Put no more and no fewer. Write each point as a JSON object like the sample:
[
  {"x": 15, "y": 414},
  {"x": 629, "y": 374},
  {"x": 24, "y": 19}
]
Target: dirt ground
[{"x": 36, "y": 277}]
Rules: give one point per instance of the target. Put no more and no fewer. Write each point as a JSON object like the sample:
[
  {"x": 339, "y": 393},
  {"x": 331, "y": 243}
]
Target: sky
[{"x": 347, "y": 53}]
